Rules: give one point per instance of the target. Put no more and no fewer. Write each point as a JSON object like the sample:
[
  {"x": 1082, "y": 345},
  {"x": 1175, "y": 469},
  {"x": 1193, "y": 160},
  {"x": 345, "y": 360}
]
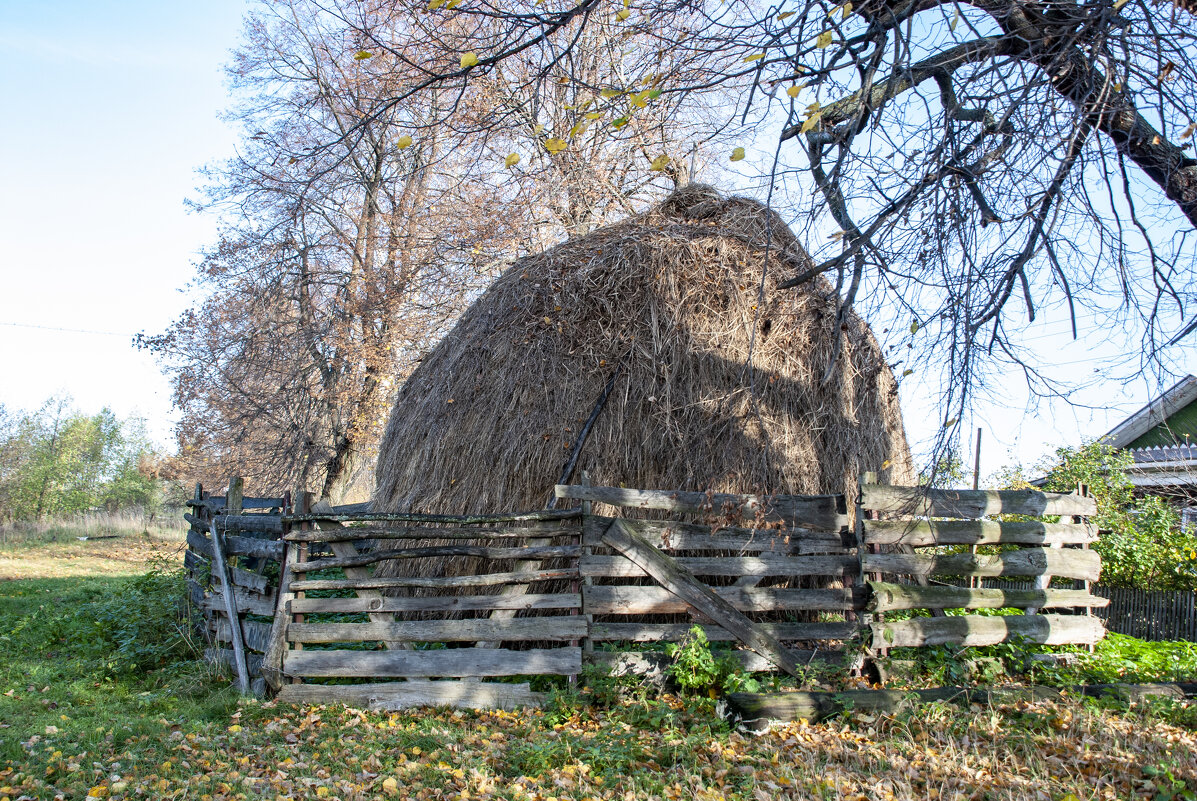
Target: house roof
[{"x": 1138, "y": 430}]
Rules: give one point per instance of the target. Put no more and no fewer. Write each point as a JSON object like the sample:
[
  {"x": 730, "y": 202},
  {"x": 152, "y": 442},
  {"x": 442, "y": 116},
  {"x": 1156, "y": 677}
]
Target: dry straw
[{"x": 487, "y": 421}]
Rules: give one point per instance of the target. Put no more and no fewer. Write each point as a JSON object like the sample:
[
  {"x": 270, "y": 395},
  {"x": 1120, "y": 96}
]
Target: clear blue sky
[{"x": 109, "y": 110}]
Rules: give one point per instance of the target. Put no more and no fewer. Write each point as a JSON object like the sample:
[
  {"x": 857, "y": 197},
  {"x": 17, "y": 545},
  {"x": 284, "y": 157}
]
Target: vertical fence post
[
  {"x": 587, "y": 581},
  {"x": 272, "y": 661}
]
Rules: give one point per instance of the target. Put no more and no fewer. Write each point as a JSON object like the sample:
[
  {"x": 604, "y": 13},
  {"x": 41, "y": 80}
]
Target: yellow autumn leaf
[
  {"x": 511, "y": 160},
  {"x": 577, "y": 129},
  {"x": 754, "y": 57},
  {"x": 469, "y": 60},
  {"x": 609, "y": 93},
  {"x": 886, "y": 464},
  {"x": 914, "y": 327},
  {"x": 811, "y": 121},
  {"x": 951, "y": 421},
  {"x": 1188, "y": 132},
  {"x": 659, "y": 163},
  {"x": 622, "y": 14},
  {"x": 638, "y": 100},
  {"x": 555, "y": 145},
  {"x": 453, "y": 4},
  {"x": 537, "y": 128},
  {"x": 847, "y": 10},
  {"x": 433, "y": 5},
  {"x": 785, "y": 15},
  {"x": 619, "y": 123},
  {"x": 737, "y": 154},
  {"x": 404, "y": 142},
  {"x": 824, "y": 40},
  {"x": 1120, "y": 4},
  {"x": 795, "y": 89},
  {"x": 390, "y": 786},
  {"x": 594, "y": 115},
  {"x": 955, "y": 20},
  {"x": 362, "y": 55}
]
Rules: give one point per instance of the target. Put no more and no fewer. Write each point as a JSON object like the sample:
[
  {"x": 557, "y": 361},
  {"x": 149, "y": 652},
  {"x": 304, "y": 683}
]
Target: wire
[{"x": 69, "y": 330}]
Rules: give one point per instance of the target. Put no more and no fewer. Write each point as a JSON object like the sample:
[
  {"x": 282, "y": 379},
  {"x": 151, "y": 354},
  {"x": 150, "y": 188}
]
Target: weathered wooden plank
[
  {"x": 921, "y": 533},
  {"x": 565, "y": 627},
  {"x": 269, "y": 524},
  {"x": 247, "y": 579},
  {"x": 415, "y": 517},
  {"x": 972, "y": 503},
  {"x": 889, "y": 597},
  {"x": 249, "y": 603},
  {"x": 484, "y": 580},
  {"x": 679, "y": 581},
  {"x": 236, "y": 546},
  {"x": 975, "y": 630},
  {"x": 219, "y": 502},
  {"x": 391, "y": 696},
  {"x": 655, "y": 663},
  {"x": 448, "y": 662},
  {"x": 812, "y": 511},
  {"x": 549, "y": 529},
  {"x": 438, "y": 603},
  {"x": 272, "y": 660},
  {"x": 1068, "y": 563},
  {"x": 444, "y": 551},
  {"x": 220, "y": 569},
  {"x": 223, "y": 656},
  {"x": 620, "y": 566},
  {"x": 671, "y": 535},
  {"x": 607, "y": 600},
  {"x": 673, "y": 632},
  {"x": 255, "y": 634},
  {"x": 196, "y": 563}
]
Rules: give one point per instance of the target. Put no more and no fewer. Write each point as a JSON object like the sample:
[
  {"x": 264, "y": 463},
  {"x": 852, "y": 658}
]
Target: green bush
[{"x": 142, "y": 625}]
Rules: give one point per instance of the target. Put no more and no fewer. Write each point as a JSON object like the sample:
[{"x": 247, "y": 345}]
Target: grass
[
  {"x": 100, "y": 696},
  {"x": 112, "y": 544}
]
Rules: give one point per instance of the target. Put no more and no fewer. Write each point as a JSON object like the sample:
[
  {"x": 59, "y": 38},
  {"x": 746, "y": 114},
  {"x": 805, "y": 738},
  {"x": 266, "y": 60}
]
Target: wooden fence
[
  {"x": 322, "y": 593},
  {"x": 1150, "y": 615}
]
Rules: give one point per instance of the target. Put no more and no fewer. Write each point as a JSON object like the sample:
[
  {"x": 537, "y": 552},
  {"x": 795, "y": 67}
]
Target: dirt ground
[{"x": 122, "y": 555}]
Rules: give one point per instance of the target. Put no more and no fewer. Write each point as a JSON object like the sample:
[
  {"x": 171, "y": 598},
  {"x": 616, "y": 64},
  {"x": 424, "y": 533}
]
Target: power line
[{"x": 69, "y": 330}]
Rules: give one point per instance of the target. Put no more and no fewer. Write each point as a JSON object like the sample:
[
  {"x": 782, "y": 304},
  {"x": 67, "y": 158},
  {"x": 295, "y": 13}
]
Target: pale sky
[{"x": 112, "y": 107}]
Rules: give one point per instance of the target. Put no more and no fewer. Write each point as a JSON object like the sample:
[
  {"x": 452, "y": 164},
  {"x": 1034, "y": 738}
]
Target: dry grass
[
  {"x": 99, "y": 544},
  {"x": 715, "y": 393}
]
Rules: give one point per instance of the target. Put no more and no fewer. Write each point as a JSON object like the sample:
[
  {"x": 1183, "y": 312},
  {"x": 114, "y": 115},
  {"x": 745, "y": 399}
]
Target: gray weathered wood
[
  {"x": 755, "y": 711},
  {"x": 219, "y": 503},
  {"x": 272, "y": 660},
  {"x": 237, "y": 546},
  {"x": 448, "y": 662},
  {"x": 887, "y": 597},
  {"x": 268, "y": 524},
  {"x": 670, "y": 535},
  {"x": 484, "y": 580},
  {"x": 607, "y": 600},
  {"x": 521, "y": 630},
  {"x": 973, "y": 630},
  {"x": 391, "y": 696},
  {"x": 972, "y": 503},
  {"x": 247, "y": 579},
  {"x": 619, "y": 566},
  {"x": 221, "y": 569},
  {"x": 1068, "y": 563},
  {"x": 248, "y": 602},
  {"x": 810, "y": 511},
  {"x": 444, "y": 551},
  {"x": 256, "y": 635},
  {"x": 921, "y": 533},
  {"x": 679, "y": 581},
  {"x": 673, "y": 632},
  {"x": 196, "y": 563},
  {"x": 549, "y": 529},
  {"x": 438, "y": 603},
  {"x": 414, "y": 517},
  {"x": 655, "y": 663},
  {"x": 223, "y": 656}
]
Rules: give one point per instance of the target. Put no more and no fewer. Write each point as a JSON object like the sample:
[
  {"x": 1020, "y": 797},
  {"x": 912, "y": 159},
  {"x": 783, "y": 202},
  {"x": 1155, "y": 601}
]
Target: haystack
[{"x": 670, "y": 299}]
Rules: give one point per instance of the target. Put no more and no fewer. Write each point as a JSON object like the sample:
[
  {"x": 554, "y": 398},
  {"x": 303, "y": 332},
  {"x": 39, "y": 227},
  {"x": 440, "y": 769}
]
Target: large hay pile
[{"x": 487, "y": 421}]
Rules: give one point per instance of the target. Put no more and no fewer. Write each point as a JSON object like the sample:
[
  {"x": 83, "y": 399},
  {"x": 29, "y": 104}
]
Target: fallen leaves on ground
[{"x": 663, "y": 750}]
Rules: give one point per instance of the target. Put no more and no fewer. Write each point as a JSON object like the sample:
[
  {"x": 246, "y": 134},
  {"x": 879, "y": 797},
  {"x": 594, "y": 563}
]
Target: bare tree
[
  {"x": 977, "y": 163},
  {"x": 355, "y": 230}
]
